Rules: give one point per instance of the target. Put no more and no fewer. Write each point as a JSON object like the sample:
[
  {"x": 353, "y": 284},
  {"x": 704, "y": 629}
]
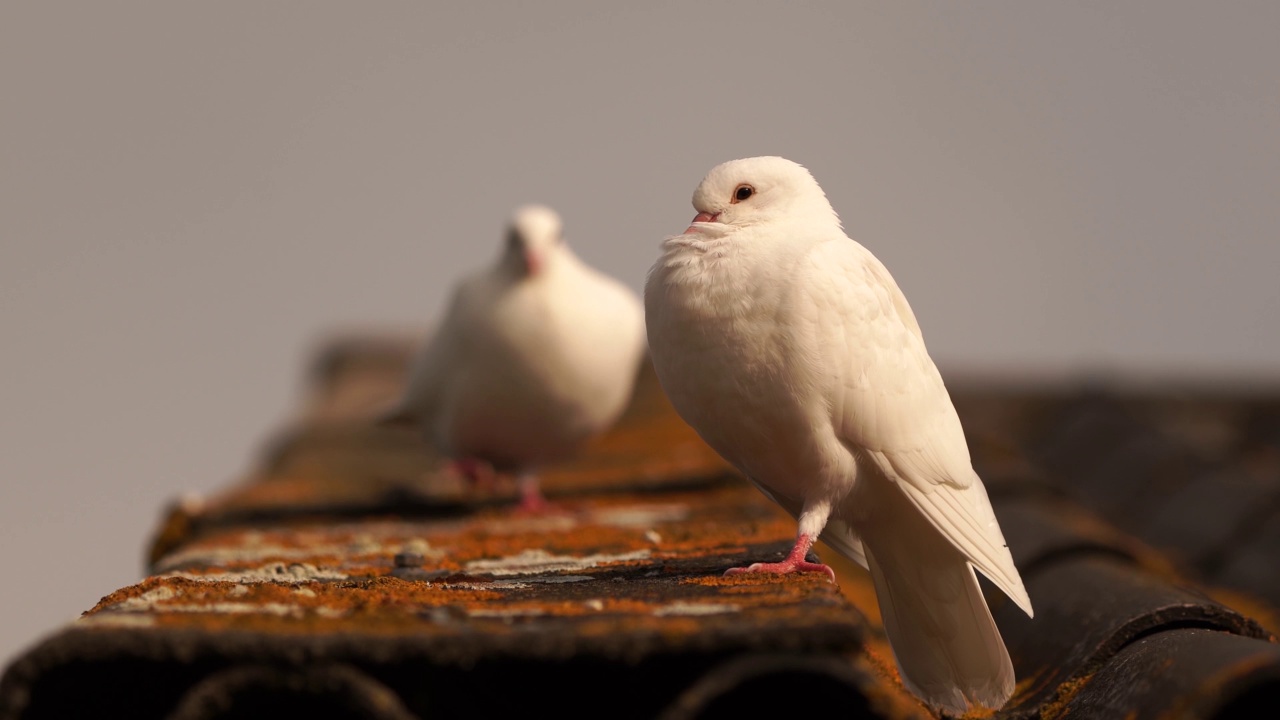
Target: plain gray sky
[{"x": 192, "y": 193}]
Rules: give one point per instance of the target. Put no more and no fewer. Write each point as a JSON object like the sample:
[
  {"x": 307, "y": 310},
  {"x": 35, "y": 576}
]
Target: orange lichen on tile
[
  {"x": 855, "y": 584},
  {"x": 374, "y": 605},
  {"x": 355, "y": 542},
  {"x": 1066, "y": 692},
  {"x": 619, "y": 564},
  {"x": 682, "y": 524},
  {"x": 889, "y": 699},
  {"x": 880, "y": 657},
  {"x": 1033, "y": 683},
  {"x": 1248, "y": 605}
]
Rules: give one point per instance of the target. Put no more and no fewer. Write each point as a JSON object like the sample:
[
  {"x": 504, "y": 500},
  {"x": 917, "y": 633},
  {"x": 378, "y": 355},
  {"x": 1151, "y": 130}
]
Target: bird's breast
[
  {"x": 728, "y": 355},
  {"x": 701, "y": 281}
]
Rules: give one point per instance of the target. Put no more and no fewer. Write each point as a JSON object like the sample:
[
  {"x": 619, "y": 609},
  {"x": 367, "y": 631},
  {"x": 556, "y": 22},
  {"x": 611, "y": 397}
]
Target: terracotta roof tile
[{"x": 351, "y": 574}]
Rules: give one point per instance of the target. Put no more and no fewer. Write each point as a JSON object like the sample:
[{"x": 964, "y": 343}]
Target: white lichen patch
[
  {"x": 524, "y": 582},
  {"x": 256, "y": 551},
  {"x": 688, "y": 608},
  {"x": 223, "y": 556},
  {"x": 162, "y": 600},
  {"x": 291, "y": 573},
  {"x": 116, "y": 620},
  {"x": 495, "y": 585},
  {"x": 234, "y": 608},
  {"x": 145, "y": 602},
  {"x": 537, "y": 561}
]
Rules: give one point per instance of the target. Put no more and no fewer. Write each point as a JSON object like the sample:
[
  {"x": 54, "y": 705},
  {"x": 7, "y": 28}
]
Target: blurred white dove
[
  {"x": 534, "y": 356},
  {"x": 793, "y": 353}
]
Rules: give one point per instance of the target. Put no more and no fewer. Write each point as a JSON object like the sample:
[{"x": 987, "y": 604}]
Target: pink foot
[{"x": 793, "y": 563}]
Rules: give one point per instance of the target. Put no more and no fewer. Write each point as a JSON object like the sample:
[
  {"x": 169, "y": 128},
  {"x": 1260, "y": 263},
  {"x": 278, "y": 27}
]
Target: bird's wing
[
  {"x": 890, "y": 405},
  {"x": 426, "y": 379},
  {"x": 435, "y": 363}
]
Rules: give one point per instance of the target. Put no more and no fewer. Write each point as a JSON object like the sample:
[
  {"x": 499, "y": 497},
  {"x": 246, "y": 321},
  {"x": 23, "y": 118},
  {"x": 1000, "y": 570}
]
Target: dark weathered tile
[{"x": 1181, "y": 674}]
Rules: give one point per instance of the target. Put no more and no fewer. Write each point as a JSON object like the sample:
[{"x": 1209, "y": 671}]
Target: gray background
[{"x": 192, "y": 194}]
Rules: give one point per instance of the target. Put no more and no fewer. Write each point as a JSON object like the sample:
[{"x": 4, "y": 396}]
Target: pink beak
[
  {"x": 701, "y": 217},
  {"x": 532, "y": 262}
]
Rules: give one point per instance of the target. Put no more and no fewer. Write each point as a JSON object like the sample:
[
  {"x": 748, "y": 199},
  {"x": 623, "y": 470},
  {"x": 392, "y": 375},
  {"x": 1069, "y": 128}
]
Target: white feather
[{"x": 791, "y": 350}]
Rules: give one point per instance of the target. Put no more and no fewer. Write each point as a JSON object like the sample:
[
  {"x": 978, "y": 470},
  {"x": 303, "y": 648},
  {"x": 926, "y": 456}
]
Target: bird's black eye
[{"x": 743, "y": 192}]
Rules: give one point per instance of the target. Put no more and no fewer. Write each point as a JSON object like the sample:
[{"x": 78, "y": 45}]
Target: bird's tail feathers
[
  {"x": 947, "y": 647},
  {"x": 944, "y": 640}
]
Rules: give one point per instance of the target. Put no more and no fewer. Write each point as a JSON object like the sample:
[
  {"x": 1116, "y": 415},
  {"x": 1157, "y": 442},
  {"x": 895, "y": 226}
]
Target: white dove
[
  {"x": 793, "y": 353},
  {"x": 534, "y": 356}
]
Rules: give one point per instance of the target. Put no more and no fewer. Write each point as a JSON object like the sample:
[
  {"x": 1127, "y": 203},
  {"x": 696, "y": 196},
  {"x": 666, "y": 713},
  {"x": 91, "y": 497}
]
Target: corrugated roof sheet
[{"x": 351, "y": 575}]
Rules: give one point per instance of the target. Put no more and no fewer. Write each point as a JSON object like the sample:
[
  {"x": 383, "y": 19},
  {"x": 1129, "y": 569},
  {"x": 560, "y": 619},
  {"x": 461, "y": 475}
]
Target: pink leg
[
  {"x": 477, "y": 472},
  {"x": 794, "y": 562},
  {"x": 532, "y": 501}
]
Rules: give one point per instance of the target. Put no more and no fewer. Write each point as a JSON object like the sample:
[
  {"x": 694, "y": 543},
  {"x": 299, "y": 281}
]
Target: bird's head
[
  {"x": 754, "y": 191},
  {"x": 533, "y": 240}
]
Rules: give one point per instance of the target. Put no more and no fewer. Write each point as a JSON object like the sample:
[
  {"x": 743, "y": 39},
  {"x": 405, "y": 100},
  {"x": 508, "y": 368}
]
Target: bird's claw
[{"x": 783, "y": 568}]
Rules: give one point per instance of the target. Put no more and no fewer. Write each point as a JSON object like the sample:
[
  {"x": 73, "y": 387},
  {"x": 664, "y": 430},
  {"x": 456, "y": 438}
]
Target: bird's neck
[
  {"x": 704, "y": 275},
  {"x": 553, "y": 262}
]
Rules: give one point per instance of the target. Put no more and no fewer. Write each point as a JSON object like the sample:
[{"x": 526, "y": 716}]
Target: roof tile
[{"x": 351, "y": 571}]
